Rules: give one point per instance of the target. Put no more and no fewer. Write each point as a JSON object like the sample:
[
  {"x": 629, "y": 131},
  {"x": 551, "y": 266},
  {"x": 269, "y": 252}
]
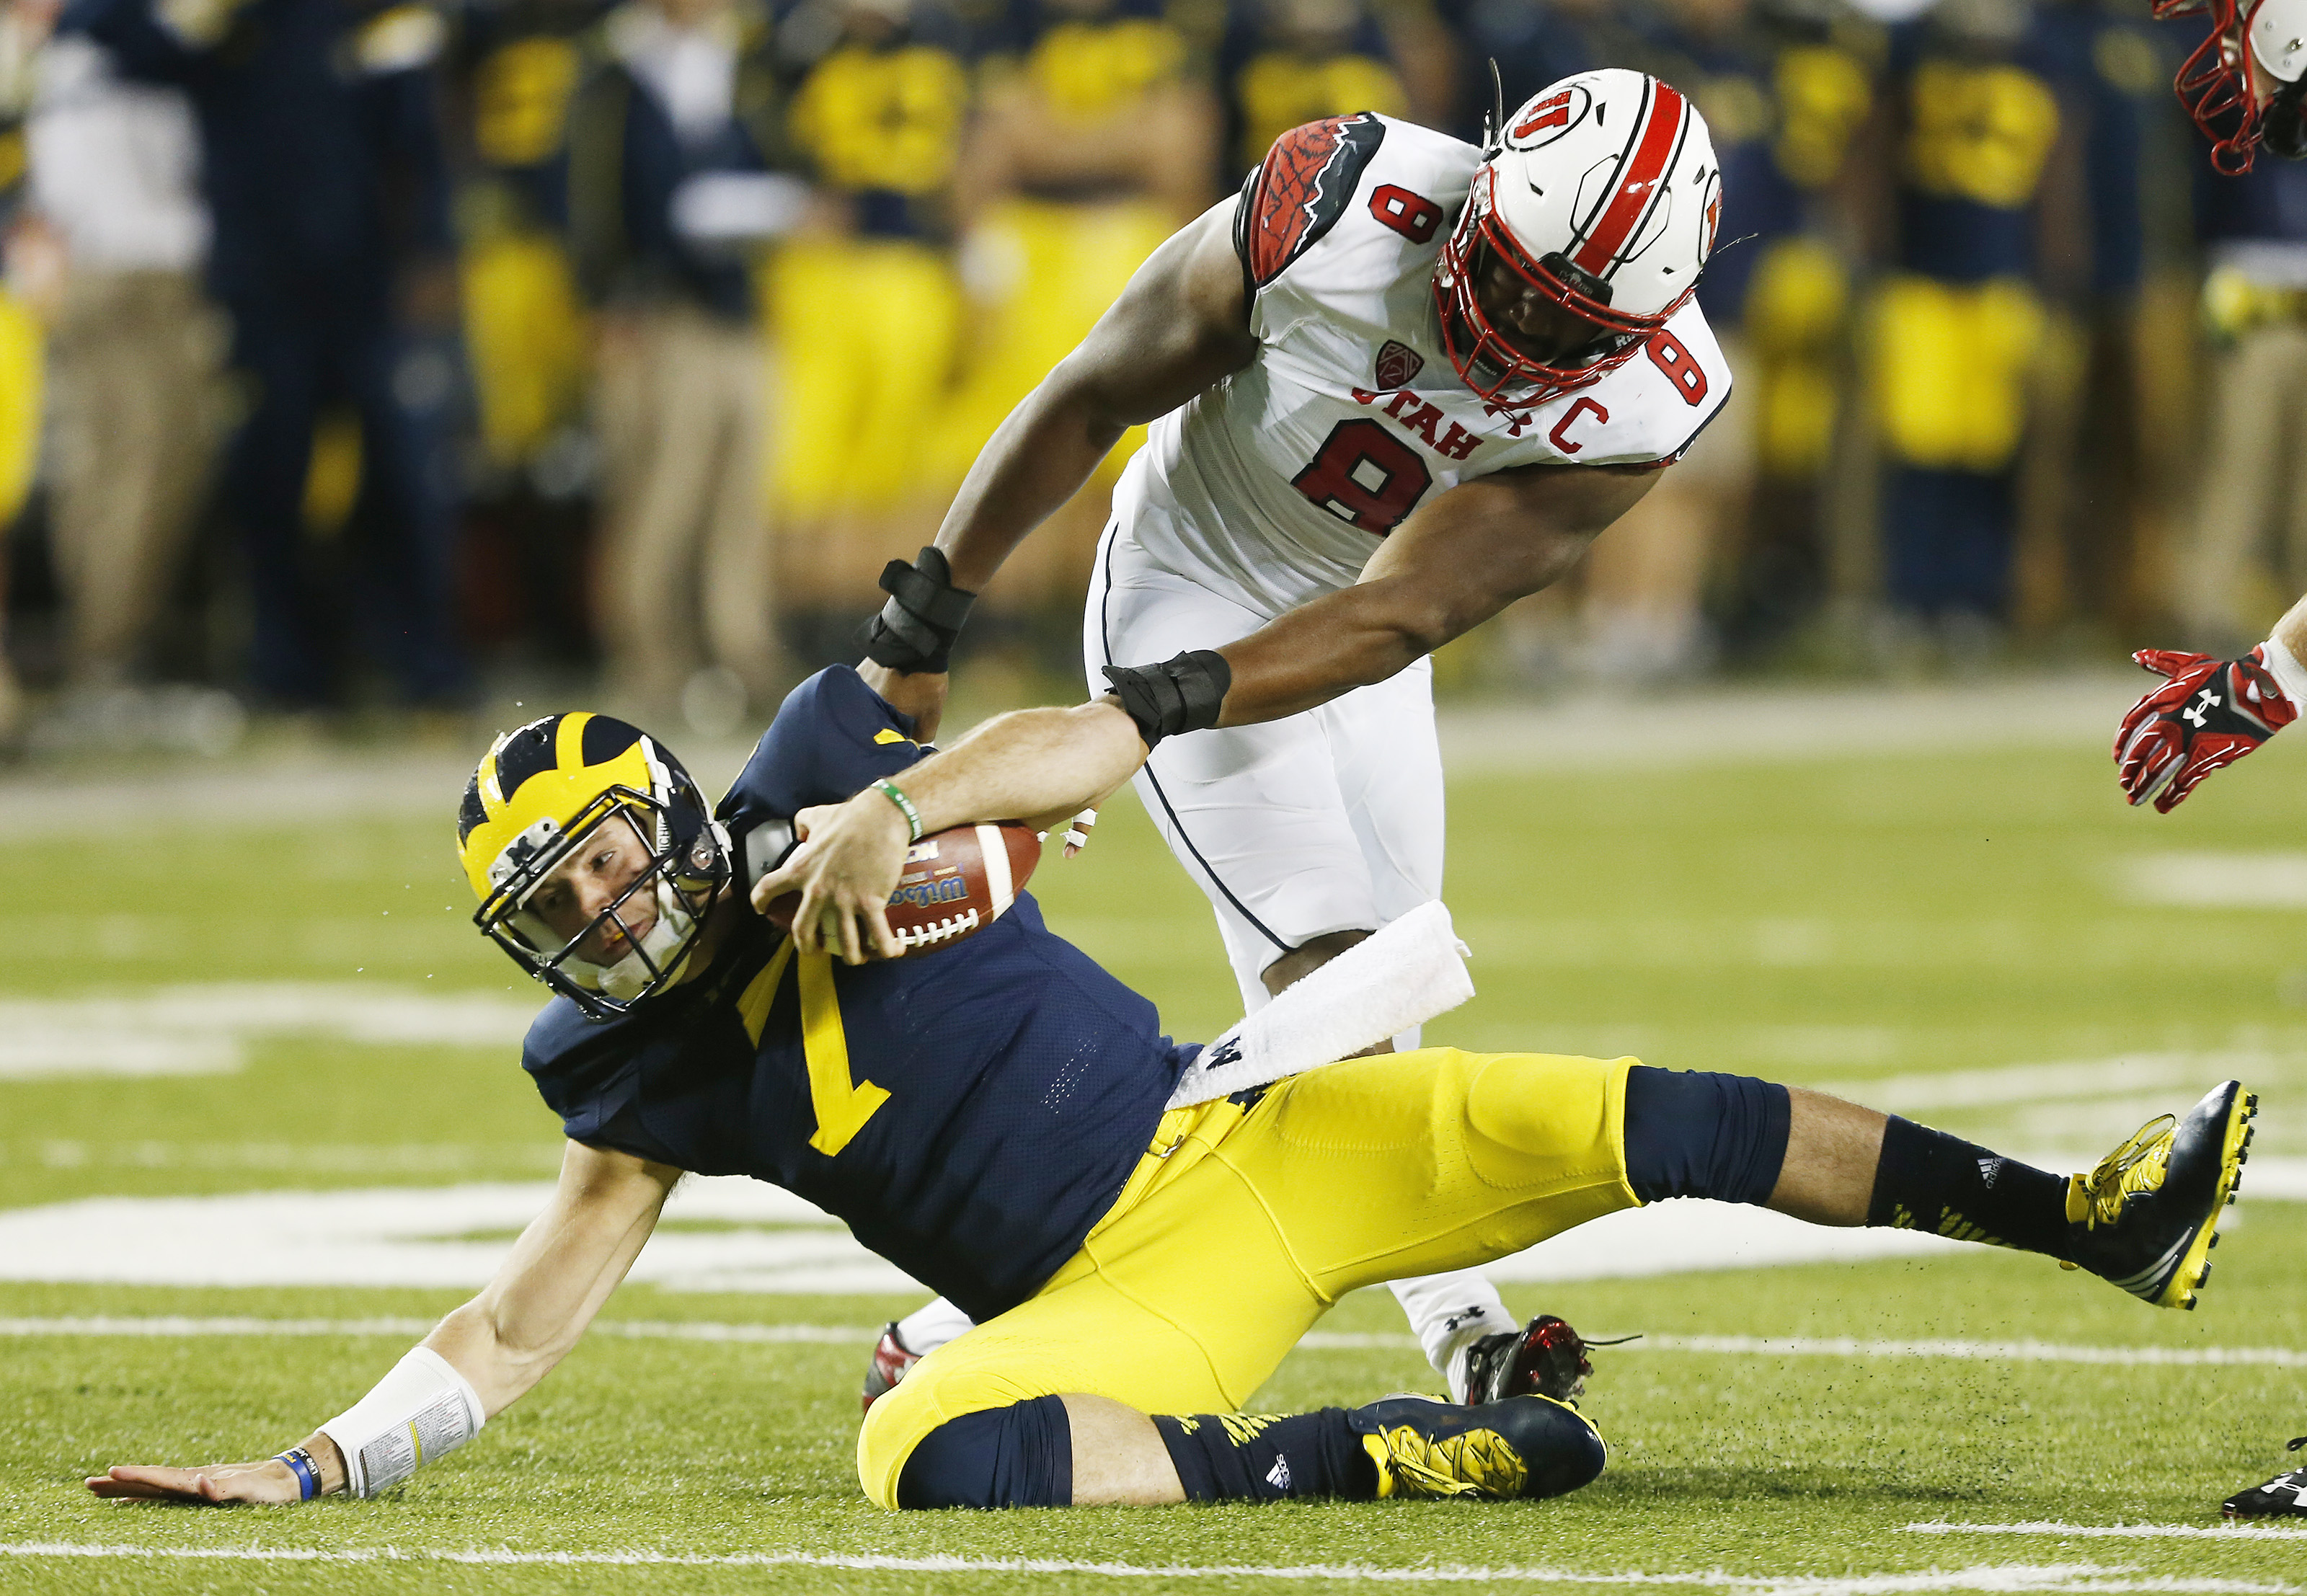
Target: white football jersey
[{"x": 1277, "y": 484}]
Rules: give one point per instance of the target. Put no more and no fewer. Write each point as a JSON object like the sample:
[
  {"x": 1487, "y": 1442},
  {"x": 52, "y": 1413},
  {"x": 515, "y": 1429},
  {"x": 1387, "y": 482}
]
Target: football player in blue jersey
[{"x": 993, "y": 1117}]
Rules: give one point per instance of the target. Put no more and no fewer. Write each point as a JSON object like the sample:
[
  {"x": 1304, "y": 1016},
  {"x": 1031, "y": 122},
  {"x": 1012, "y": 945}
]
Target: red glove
[{"x": 2209, "y": 714}]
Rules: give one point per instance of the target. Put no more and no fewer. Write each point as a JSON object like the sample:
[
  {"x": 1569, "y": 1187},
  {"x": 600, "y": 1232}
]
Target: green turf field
[{"x": 1982, "y": 942}]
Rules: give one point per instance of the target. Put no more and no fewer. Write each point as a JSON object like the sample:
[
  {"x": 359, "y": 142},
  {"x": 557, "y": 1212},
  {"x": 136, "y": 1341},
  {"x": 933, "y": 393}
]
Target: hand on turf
[
  {"x": 270, "y": 1481},
  {"x": 921, "y": 695},
  {"x": 848, "y": 862},
  {"x": 2207, "y": 715}
]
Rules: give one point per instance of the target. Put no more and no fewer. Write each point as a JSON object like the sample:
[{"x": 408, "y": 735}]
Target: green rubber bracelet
[{"x": 904, "y": 805}]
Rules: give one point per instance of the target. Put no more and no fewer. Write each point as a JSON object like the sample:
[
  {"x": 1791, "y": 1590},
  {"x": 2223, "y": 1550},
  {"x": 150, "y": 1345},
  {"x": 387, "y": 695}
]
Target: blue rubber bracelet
[{"x": 308, "y": 1478}]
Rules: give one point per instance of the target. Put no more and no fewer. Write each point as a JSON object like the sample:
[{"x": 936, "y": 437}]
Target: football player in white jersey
[{"x": 1395, "y": 384}]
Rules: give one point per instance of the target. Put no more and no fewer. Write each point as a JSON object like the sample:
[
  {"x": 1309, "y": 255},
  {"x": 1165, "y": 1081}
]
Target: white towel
[{"x": 1405, "y": 975}]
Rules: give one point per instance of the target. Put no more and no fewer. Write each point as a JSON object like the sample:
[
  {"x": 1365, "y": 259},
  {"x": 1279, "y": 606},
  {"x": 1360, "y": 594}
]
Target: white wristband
[
  {"x": 423, "y": 1409},
  {"x": 2289, "y": 675}
]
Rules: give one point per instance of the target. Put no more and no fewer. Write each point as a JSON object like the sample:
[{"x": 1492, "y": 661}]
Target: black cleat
[
  {"x": 1544, "y": 1358},
  {"x": 2146, "y": 1217},
  {"x": 891, "y": 1360},
  {"x": 1525, "y": 1446},
  {"x": 2282, "y": 1496}
]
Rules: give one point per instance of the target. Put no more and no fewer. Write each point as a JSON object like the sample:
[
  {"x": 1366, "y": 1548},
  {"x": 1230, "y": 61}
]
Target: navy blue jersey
[
  {"x": 1973, "y": 155},
  {"x": 970, "y": 1112}
]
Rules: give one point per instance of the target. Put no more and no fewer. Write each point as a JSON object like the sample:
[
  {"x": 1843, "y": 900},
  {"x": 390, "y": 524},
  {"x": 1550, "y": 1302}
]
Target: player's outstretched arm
[
  {"x": 1180, "y": 325},
  {"x": 2208, "y": 713},
  {"x": 1449, "y": 568},
  {"x": 499, "y": 1344},
  {"x": 1037, "y": 764}
]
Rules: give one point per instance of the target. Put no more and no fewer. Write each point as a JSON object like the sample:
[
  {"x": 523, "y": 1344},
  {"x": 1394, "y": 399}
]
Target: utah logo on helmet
[
  {"x": 540, "y": 795},
  {"x": 1601, "y": 193}
]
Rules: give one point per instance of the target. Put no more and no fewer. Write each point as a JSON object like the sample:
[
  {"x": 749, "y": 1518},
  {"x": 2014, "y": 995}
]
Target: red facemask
[
  {"x": 2213, "y": 84},
  {"x": 1486, "y": 360}
]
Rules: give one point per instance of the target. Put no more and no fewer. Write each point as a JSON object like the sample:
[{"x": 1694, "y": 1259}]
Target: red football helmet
[
  {"x": 2246, "y": 85},
  {"x": 1602, "y": 194}
]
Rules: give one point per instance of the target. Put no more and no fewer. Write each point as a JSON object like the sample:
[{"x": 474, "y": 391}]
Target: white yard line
[
  {"x": 1990, "y": 1351},
  {"x": 166, "y": 1325},
  {"x": 2078, "y": 1578},
  {"x": 1764, "y": 1346},
  {"x": 2067, "y": 1532}
]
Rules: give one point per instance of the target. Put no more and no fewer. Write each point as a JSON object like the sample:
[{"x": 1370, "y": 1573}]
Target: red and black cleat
[
  {"x": 1544, "y": 1358},
  {"x": 890, "y": 1363}
]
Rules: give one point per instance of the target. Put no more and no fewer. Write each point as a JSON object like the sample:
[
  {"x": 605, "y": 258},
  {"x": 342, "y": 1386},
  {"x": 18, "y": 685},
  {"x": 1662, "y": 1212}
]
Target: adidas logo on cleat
[{"x": 1278, "y": 1476}]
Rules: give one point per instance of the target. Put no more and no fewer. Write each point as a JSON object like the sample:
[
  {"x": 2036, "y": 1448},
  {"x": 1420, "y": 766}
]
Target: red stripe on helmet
[{"x": 1637, "y": 184}]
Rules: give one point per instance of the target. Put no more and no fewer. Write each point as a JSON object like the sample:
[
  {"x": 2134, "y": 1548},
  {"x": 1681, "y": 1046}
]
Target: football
[{"x": 955, "y": 883}]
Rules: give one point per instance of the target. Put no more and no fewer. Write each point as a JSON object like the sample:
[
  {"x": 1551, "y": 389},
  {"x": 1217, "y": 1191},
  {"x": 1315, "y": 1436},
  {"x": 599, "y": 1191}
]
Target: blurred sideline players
[
  {"x": 514, "y": 74},
  {"x": 2252, "y": 514},
  {"x": 329, "y": 195},
  {"x": 673, "y": 138},
  {"x": 1095, "y": 139},
  {"x": 24, "y": 28},
  {"x": 135, "y": 349},
  {"x": 1958, "y": 326},
  {"x": 866, "y": 305}
]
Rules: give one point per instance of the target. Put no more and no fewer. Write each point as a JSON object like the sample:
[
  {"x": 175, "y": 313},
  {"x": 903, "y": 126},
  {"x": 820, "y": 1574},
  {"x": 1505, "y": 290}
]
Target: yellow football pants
[{"x": 1239, "y": 1229}]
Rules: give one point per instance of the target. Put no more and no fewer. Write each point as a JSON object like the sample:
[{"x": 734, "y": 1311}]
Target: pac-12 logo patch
[{"x": 1397, "y": 364}]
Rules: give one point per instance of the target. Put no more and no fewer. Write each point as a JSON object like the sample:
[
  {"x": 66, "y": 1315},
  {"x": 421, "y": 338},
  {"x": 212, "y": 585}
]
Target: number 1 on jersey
[
  {"x": 1365, "y": 476},
  {"x": 842, "y": 1106}
]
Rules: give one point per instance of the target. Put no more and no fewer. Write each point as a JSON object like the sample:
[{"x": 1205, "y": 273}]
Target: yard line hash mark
[{"x": 2091, "y": 1578}]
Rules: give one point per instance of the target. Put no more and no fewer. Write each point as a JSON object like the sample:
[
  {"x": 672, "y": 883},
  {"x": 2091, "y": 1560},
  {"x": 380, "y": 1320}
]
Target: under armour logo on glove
[{"x": 2208, "y": 714}]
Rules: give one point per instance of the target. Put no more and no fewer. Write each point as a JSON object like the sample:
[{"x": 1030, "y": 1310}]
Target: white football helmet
[
  {"x": 2246, "y": 85},
  {"x": 1602, "y": 192}
]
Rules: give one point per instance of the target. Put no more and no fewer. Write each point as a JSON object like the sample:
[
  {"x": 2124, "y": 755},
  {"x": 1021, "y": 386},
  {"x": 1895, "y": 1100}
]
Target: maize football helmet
[
  {"x": 539, "y": 796},
  {"x": 1602, "y": 194}
]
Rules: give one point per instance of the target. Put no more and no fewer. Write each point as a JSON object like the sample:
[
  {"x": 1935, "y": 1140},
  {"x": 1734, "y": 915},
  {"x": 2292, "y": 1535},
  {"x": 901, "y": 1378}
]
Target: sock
[
  {"x": 1264, "y": 1457},
  {"x": 926, "y": 1329},
  {"x": 1446, "y": 1311},
  {"x": 1929, "y": 1181}
]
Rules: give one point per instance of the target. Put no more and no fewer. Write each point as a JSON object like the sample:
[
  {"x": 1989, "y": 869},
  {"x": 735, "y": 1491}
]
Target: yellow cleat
[
  {"x": 2146, "y": 1217},
  {"x": 1525, "y": 1446}
]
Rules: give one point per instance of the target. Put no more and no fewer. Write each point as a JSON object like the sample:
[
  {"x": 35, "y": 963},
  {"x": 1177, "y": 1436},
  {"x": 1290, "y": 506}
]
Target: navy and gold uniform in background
[
  {"x": 989, "y": 1118},
  {"x": 524, "y": 321},
  {"x": 1959, "y": 325},
  {"x": 1094, "y": 142},
  {"x": 1785, "y": 90},
  {"x": 865, "y": 305},
  {"x": 1286, "y": 62},
  {"x": 325, "y": 178}
]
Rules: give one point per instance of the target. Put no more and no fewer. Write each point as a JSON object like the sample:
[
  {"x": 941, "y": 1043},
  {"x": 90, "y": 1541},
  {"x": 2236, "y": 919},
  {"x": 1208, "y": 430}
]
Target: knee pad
[
  {"x": 1694, "y": 1135},
  {"x": 1018, "y": 1456}
]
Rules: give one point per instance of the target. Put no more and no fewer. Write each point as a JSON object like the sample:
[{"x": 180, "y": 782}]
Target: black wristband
[
  {"x": 1183, "y": 694},
  {"x": 916, "y": 627}
]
